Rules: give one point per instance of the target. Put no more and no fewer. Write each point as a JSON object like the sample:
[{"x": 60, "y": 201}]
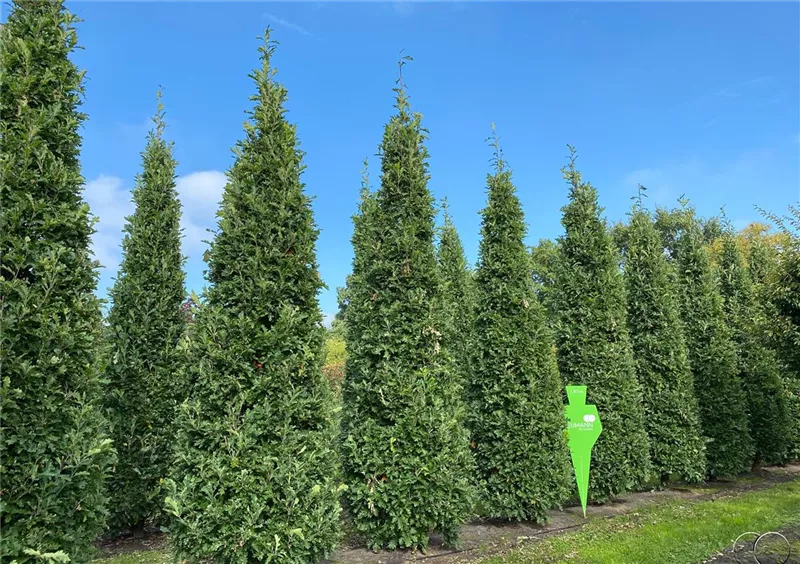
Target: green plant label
[{"x": 583, "y": 428}]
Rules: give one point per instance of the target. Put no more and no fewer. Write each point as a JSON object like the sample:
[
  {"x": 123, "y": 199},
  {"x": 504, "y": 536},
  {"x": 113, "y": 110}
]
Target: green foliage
[
  {"x": 784, "y": 296},
  {"x": 405, "y": 450},
  {"x": 255, "y": 469},
  {"x": 543, "y": 260},
  {"x": 593, "y": 343},
  {"x": 677, "y": 448},
  {"x": 457, "y": 296},
  {"x": 516, "y": 408},
  {"x": 712, "y": 355},
  {"x": 335, "y": 350},
  {"x": 759, "y": 370},
  {"x": 55, "y": 452},
  {"x": 145, "y": 326}
]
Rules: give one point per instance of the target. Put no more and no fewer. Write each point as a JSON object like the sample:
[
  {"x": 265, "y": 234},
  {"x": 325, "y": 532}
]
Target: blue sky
[{"x": 701, "y": 99}]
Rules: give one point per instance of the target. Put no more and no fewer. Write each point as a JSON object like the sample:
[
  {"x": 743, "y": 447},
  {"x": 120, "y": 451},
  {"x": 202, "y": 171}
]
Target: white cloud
[
  {"x": 110, "y": 201},
  {"x": 327, "y": 319},
  {"x": 200, "y": 194}
]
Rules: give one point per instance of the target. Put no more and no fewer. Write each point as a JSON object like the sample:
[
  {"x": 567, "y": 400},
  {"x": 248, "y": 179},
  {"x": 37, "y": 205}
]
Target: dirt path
[{"x": 482, "y": 538}]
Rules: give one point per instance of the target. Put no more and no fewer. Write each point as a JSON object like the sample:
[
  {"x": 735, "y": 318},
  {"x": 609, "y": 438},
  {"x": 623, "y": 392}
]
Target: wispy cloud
[
  {"x": 745, "y": 87},
  {"x": 741, "y": 175},
  {"x": 288, "y": 25},
  {"x": 137, "y": 131}
]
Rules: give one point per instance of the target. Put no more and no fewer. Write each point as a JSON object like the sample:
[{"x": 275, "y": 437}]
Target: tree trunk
[{"x": 138, "y": 530}]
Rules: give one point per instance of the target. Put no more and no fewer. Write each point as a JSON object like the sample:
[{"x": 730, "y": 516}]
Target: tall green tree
[
  {"x": 543, "y": 259},
  {"x": 405, "y": 450},
  {"x": 365, "y": 237},
  {"x": 759, "y": 370},
  {"x": 516, "y": 407},
  {"x": 55, "y": 450},
  {"x": 677, "y": 447},
  {"x": 255, "y": 469},
  {"x": 712, "y": 355},
  {"x": 784, "y": 297},
  {"x": 146, "y": 324},
  {"x": 458, "y": 295},
  {"x": 592, "y": 339}
]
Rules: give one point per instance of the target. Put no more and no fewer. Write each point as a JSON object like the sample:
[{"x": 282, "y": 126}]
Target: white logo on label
[{"x": 589, "y": 418}]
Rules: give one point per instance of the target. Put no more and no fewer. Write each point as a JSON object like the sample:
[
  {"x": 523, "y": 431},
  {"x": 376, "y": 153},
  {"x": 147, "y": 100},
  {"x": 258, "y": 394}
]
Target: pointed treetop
[
  {"x": 446, "y": 211},
  {"x": 400, "y": 89},
  {"x": 725, "y": 220},
  {"x": 494, "y": 141},
  {"x": 365, "y": 187},
  {"x": 641, "y": 193},
  {"x": 158, "y": 119},
  {"x": 570, "y": 172},
  {"x": 266, "y": 72},
  {"x": 365, "y": 174}
]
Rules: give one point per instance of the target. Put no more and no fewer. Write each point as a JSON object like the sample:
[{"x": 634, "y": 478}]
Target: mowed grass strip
[
  {"x": 160, "y": 556},
  {"x": 678, "y": 532}
]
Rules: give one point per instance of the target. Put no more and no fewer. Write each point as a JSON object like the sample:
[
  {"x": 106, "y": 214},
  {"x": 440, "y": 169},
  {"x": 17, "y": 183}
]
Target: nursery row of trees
[{"x": 225, "y": 429}]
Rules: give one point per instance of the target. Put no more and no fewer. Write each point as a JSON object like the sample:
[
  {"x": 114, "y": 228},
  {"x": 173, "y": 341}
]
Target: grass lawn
[
  {"x": 140, "y": 557},
  {"x": 678, "y": 533}
]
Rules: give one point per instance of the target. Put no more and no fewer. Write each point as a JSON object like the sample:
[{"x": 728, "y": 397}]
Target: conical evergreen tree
[
  {"x": 759, "y": 371},
  {"x": 712, "y": 356},
  {"x": 786, "y": 301},
  {"x": 55, "y": 452},
  {"x": 593, "y": 344},
  {"x": 405, "y": 450},
  {"x": 516, "y": 407},
  {"x": 543, "y": 259},
  {"x": 255, "y": 469},
  {"x": 145, "y": 325},
  {"x": 458, "y": 296},
  {"x": 365, "y": 237},
  {"x": 677, "y": 447}
]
